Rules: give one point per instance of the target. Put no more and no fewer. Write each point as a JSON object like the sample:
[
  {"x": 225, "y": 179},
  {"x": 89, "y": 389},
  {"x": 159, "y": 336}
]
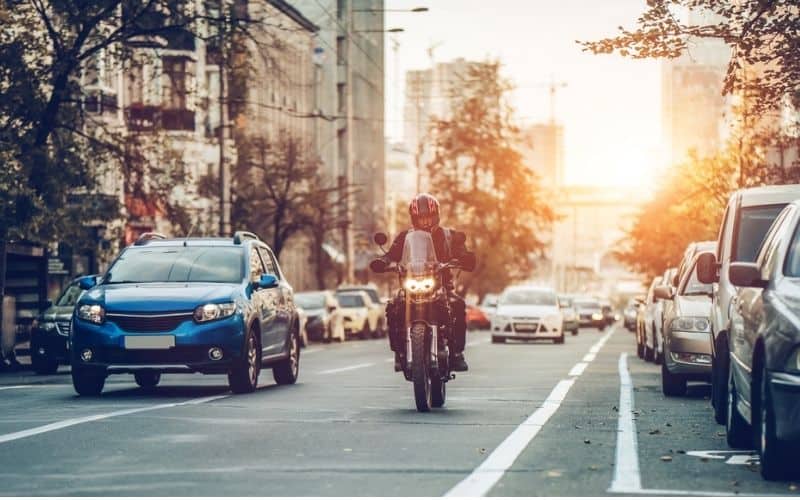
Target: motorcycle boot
[{"x": 458, "y": 363}]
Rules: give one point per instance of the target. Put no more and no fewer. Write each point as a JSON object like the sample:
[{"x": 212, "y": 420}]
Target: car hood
[
  {"x": 526, "y": 310},
  {"x": 159, "y": 297},
  {"x": 693, "y": 305}
]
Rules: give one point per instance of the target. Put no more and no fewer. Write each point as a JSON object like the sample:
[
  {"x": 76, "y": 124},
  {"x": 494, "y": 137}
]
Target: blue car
[{"x": 207, "y": 305}]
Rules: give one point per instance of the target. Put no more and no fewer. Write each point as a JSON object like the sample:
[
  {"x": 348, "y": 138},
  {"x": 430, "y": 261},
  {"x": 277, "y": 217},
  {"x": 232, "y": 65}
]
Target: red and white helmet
[{"x": 424, "y": 212}]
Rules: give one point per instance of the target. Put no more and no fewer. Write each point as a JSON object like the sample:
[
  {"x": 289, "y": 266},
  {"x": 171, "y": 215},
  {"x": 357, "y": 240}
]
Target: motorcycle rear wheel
[{"x": 420, "y": 371}]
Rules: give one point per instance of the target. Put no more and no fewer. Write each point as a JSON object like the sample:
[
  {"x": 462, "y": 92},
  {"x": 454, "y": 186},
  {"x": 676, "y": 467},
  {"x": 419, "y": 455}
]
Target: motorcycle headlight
[
  {"x": 688, "y": 324},
  {"x": 420, "y": 285},
  {"x": 94, "y": 313},
  {"x": 210, "y": 312},
  {"x": 793, "y": 362}
]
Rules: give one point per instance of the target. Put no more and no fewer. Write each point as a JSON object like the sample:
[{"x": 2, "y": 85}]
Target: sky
[{"x": 610, "y": 107}]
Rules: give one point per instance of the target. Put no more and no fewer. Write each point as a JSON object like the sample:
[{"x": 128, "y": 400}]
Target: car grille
[
  {"x": 177, "y": 354},
  {"x": 586, "y": 316},
  {"x": 149, "y": 323},
  {"x": 526, "y": 327},
  {"x": 64, "y": 327}
]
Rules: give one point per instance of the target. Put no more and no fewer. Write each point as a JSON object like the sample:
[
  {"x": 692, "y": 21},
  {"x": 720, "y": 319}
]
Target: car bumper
[
  {"x": 688, "y": 353},
  {"x": 785, "y": 392},
  {"x": 190, "y": 352},
  {"x": 592, "y": 323},
  {"x": 51, "y": 344}
]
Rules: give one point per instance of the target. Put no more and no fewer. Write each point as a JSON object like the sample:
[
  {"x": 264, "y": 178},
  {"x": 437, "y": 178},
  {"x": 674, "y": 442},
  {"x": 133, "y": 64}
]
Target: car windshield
[
  {"x": 565, "y": 302},
  {"x": 373, "y": 294},
  {"x": 693, "y": 286},
  {"x": 754, "y": 222},
  {"x": 528, "y": 297},
  {"x": 587, "y": 304},
  {"x": 350, "y": 300},
  {"x": 69, "y": 296},
  {"x": 310, "y": 300},
  {"x": 489, "y": 300},
  {"x": 178, "y": 264}
]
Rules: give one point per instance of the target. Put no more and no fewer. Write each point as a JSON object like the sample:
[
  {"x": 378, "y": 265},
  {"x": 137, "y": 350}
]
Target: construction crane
[{"x": 553, "y": 86}]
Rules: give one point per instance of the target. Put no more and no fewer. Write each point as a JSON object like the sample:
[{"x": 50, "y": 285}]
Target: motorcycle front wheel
[{"x": 420, "y": 370}]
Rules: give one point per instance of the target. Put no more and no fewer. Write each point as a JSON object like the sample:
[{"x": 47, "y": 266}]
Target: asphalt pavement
[{"x": 528, "y": 419}]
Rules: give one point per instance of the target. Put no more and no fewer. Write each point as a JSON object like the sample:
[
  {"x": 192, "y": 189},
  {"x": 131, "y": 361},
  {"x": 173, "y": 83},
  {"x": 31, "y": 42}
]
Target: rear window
[
  {"x": 752, "y": 227},
  {"x": 350, "y": 300}
]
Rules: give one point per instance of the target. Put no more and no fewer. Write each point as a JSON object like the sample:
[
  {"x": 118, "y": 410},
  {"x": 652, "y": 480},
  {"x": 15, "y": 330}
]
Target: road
[{"x": 526, "y": 420}]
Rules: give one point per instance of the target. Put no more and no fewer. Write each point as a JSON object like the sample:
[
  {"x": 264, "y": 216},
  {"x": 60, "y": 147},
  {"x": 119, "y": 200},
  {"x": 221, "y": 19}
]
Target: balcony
[{"x": 150, "y": 118}]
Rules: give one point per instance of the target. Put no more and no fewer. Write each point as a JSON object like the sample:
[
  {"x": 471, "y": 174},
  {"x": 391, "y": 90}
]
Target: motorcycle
[{"x": 423, "y": 291}]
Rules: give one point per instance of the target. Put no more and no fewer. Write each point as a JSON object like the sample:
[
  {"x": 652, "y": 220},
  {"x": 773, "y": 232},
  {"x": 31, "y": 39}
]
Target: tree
[
  {"x": 483, "y": 184},
  {"x": 763, "y": 34}
]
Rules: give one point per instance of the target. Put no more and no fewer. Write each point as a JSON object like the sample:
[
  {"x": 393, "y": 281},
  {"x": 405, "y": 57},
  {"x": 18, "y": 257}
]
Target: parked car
[
  {"x": 356, "y": 307},
  {"x": 590, "y": 312},
  {"x": 489, "y": 305},
  {"x": 528, "y": 313},
  {"x": 655, "y": 342},
  {"x": 687, "y": 332},
  {"x": 629, "y": 315},
  {"x": 764, "y": 381},
  {"x": 50, "y": 331},
  {"x": 377, "y": 308},
  {"x": 748, "y": 216},
  {"x": 476, "y": 320},
  {"x": 208, "y": 305},
  {"x": 571, "y": 323},
  {"x": 644, "y": 323},
  {"x": 325, "y": 319}
]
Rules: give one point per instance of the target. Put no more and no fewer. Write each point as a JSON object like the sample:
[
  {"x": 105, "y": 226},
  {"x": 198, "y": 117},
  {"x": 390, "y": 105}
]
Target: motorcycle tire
[{"x": 420, "y": 371}]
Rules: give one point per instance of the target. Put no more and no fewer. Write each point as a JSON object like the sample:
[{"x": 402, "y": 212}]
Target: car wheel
[
  {"x": 737, "y": 431},
  {"x": 287, "y": 371},
  {"x": 672, "y": 385},
  {"x": 719, "y": 381},
  {"x": 498, "y": 340},
  {"x": 243, "y": 376},
  {"x": 147, "y": 380},
  {"x": 559, "y": 340},
  {"x": 42, "y": 364},
  {"x": 87, "y": 382},
  {"x": 574, "y": 332},
  {"x": 775, "y": 455}
]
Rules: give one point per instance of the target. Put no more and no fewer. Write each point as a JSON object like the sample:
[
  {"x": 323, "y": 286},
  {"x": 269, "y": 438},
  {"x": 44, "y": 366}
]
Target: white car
[
  {"x": 489, "y": 305},
  {"x": 376, "y": 307},
  {"x": 358, "y": 314},
  {"x": 528, "y": 313}
]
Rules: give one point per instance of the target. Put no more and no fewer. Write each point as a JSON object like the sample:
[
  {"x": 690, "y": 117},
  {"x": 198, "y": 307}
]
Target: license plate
[
  {"x": 526, "y": 326},
  {"x": 150, "y": 342}
]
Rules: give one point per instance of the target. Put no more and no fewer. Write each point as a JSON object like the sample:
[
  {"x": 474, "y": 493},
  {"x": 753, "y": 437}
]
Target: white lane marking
[
  {"x": 577, "y": 370},
  {"x": 589, "y": 357},
  {"x": 477, "y": 342},
  {"x": 310, "y": 350},
  {"x": 488, "y": 473},
  {"x": 6, "y": 387},
  {"x": 101, "y": 416},
  {"x": 686, "y": 493},
  {"x": 345, "y": 369},
  {"x": 388, "y": 360},
  {"x": 626, "y": 465}
]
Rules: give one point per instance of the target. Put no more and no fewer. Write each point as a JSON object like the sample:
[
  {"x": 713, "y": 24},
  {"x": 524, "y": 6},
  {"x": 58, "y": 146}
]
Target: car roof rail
[
  {"x": 145, "y": 237},
  {"x": 240, "y": 236}
]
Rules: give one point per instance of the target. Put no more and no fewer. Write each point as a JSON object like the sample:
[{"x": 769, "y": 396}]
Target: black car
[
  {"x": 764, "y": 377},
  {"x": 50, "y": 331}
]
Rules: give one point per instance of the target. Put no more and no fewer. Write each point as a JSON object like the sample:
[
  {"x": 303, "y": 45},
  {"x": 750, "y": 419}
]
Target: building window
[
  {"x": 341, "y": 97},
  {"x": 177, "y": 73}
]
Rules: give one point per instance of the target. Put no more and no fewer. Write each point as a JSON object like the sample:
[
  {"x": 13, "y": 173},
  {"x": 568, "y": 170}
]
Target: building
[
  {"x": 544, "y": 152},
  {"x": 401, "y": 184}
]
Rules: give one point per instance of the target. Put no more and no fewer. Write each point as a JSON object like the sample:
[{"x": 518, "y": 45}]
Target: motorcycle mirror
[{"x": 380, "y": 238}]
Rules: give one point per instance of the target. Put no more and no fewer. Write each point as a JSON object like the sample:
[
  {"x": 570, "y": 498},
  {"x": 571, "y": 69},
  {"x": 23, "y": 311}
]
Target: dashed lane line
[
  {"x": 488, "y": 473},
  {"x": 4, "y": 438},
  {"x": 345, "y": 369}
]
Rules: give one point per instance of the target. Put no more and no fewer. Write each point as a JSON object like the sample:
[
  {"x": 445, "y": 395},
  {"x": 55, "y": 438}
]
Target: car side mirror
[
  {"x": 746, "y": 274},
  {"x": 380, "y": 239},
  {"x": 331, "y": 309},
  {"x": 663, "y": 292},
  {"x": 707, "y": 268},
  {"x": 87, "y": 282},
  {"x": 267, "y": 281}
]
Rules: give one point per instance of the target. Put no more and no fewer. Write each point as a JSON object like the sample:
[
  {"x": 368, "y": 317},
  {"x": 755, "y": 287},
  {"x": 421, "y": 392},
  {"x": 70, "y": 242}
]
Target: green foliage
[
  {"x": 484, "y": 186},
  {"x": 763, "y": 36}
]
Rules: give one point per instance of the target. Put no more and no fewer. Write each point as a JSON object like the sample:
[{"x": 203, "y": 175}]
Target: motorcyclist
[{"x": 424, "y": 212}]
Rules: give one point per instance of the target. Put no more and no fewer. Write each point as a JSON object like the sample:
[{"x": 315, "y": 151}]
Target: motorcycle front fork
[{"x": 437, "y": 358}]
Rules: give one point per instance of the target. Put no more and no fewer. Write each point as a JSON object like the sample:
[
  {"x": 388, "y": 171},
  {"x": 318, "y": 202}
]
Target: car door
[
  {"x": 283, "y": 300},
  {"x": 261, "y": 299}
]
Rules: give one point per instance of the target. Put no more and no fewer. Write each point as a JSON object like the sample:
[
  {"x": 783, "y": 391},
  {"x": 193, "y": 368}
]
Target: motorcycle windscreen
[{"x": 419, "y": 255}]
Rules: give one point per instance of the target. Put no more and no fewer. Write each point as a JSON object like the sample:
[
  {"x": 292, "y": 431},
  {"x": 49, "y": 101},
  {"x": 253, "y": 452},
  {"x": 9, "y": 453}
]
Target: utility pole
[
  {"x": 347, "y": 237},
  {"x": 222, "y": 136}
]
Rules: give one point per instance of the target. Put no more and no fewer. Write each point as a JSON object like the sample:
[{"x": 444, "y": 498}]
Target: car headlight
[
  {"x": 689, "y": 324},
  {"x": 94, "y": 313},
  {"x": 210, "y": 312},
  {"x": 419, "y": 285},
  {"x": 793, "y": 362},
  {"x": 597, "y": 316}
]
